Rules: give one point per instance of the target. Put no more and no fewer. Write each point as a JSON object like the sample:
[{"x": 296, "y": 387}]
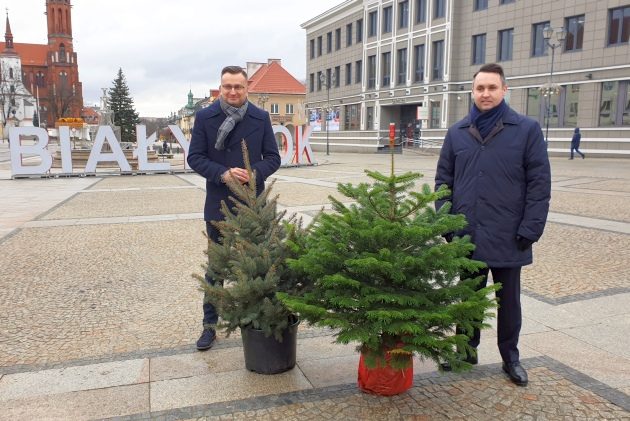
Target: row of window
[
  {"x": 275, "y": 109},
  {"x": 562, "y": 108},
  {"x": 333, "y": 80},
  {"x": 316, "y": 50},
  {"x": 618, "y": 31}
]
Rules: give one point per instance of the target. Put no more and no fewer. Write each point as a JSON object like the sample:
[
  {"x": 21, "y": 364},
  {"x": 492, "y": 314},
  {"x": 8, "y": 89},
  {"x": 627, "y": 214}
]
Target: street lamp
[
  {"x": 324, "y": 80},
  {"x": 551, "y": 89}
]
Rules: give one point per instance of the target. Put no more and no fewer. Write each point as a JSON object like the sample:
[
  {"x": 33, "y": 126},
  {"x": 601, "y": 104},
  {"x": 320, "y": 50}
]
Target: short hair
[
  {"x": 491, "y": 68},
  {"x": 234, "y": 70}
]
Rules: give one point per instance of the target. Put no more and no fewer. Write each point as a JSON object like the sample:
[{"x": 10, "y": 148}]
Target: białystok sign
[{"x": 297, "y": 151}]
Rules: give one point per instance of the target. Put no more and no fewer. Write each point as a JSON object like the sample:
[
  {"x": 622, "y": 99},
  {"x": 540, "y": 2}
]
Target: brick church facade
[{"x": 50, "y": 71}]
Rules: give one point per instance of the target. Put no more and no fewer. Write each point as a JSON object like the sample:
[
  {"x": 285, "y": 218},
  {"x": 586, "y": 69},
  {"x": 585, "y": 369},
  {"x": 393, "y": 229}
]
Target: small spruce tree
[
  {"x": 249, "y": 262},
  {"x": 121, "y": 103},
  {"x": 383, "y": 276}
]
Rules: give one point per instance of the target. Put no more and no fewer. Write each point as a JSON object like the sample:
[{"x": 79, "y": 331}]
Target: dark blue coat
[
  {"x": 211, "y": 163},
  {"x": 502, "y": 185}
]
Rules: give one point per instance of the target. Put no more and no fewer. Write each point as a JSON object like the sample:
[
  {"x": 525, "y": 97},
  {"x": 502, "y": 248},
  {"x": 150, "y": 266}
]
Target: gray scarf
[{"x": 234, "y": 115}]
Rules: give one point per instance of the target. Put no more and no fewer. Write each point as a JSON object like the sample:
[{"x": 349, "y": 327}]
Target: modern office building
[{"x": 411, "y": 62}]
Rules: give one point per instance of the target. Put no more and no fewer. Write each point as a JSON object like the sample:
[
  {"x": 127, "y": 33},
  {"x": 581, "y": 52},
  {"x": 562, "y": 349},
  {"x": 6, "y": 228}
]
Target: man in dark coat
[
  {"x": 495, "y": 163},
  {"x": 215, "y": 153}
]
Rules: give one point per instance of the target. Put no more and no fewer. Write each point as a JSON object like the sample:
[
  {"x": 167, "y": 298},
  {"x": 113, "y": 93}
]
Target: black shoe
[
  {"x": 206, "y": 340},
  {"x": 516, "y": 372},
  {"x": 470, "y": 359}
]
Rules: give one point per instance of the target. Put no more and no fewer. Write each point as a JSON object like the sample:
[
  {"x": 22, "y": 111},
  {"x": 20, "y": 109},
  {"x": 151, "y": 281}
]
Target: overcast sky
[{"x": 166, "y": 48}]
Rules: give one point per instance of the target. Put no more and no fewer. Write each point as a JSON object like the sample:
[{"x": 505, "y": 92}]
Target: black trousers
[
  {"x": 509, "y": 318},
  {"x": 210, "y": 315}
]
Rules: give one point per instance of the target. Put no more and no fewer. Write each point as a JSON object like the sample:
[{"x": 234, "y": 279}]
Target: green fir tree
[
  {"x": 249, "y": 263},
  {"x": 121, "y": 103},
  {"x": 384, "y": 277}
]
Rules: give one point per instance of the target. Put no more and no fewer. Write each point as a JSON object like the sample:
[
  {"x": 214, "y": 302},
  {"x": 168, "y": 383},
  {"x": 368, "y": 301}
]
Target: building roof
[
  {"x": 272, "y": 78},
  {"x": 30, "y": 54}
]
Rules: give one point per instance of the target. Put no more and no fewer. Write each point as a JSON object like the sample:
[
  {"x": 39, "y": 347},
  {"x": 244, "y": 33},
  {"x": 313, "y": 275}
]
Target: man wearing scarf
[
  {"x": 495, "y": 163},
  {"x": 215, "y": 153}
]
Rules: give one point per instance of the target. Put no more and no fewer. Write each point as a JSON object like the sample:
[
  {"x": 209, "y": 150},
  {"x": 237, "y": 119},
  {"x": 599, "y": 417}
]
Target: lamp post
[
  {"x": 324, "y": 80},
  {"x": 550, "y": 89}
]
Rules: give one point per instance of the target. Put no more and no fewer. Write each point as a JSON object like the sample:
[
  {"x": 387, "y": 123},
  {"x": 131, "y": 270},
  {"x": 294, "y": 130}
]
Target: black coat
[
  {"x": 575, "y": 140},
  {"x": 502, "y": 186},
  {"x": 211, "y": 163}
]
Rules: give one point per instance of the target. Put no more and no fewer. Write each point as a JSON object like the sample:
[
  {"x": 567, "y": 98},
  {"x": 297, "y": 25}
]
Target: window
[
  {"x": 348, "y": 73},
  {"x": 418, "y": 63},
  {"x": 438, "y": 60},
  {"x": 337, "y": 78},
  {"x": 421, "y": 11},
  {"x": 401, "y": 66},
  {"x": 319, "y": 46},
  {"x": 506, "y": 1},
  {"x": 10, "y": 72},
  {"x": 386, "y": 68},
  {"x": 479, "y": 49},
  {"x": 39, "y": 79},
  {"x": 328, "y": 78},
  {"x": 62, "y": 53},
  {"x": 274, "y": 109},
  {"x": 348, "y": 35},
  {"x": 352, "y": 117},
  {"x": 619, "y": 25},
  {"x": 371, "y": 72},
  {"x": 480, "y": 5},
  {"x": 328, "y": 42},
  {"x": 436, "y": 114},
  {"x": 360, "y": 30},
  {"x": 387, "y": 19},
  {"x": 614, "y": 108},
  {"x": 372, "y": 23},
  {"x": 535, "y": 105},
  {"x": 337, "y": 39},
  {"x": 289, "y": 109},
  {"x": 311, "y": 82},
  {"x": 505, "y": 47},
  {"x": 563, "y": 106},
  {"x": 575, "y": 33},
  {"x": 312, "y": 49},
  {"x": 539, "y": 44},
  {"x": 358, "y": 71},
  {"x": 369, "y": 118},
  {"x": 319, "y": 81},
  {"x": 571, "y": 101},
  {"x": 403, "y": 14},
  {"x": 12, "y": 88},
  {"x": 439, "y": 9}
]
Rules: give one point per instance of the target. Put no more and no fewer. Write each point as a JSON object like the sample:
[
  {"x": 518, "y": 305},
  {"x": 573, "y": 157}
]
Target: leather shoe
[
  {"x": 470, "y": 359},
  {"x": 516, "y": 372},
  {"x": 206, "y": 340}
]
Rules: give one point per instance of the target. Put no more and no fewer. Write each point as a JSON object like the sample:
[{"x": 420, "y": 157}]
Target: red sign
[{"x": 392, "y": 133}]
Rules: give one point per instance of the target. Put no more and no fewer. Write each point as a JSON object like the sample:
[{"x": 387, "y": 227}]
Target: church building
[{"x": 49, "y": 72}]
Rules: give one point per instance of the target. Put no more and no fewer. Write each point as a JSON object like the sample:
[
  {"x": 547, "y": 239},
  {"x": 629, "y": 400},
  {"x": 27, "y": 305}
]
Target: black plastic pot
[{"x": 267, "y": 355}]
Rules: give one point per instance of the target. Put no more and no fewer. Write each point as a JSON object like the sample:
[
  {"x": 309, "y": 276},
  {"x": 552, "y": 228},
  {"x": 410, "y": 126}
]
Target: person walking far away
[
  {"x": 575, "y": 142},
  {"x": 215, "y": 153},
  {"x": 494, "y": 162}
]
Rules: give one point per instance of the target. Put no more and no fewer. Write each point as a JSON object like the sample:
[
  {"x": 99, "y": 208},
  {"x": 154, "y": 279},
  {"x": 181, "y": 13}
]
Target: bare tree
[
  {"x": 61, "y": 98},
  {"x": 8, "y": 93}
]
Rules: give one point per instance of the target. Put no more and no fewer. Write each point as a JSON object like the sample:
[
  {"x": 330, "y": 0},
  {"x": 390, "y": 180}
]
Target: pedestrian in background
[
  {"x": 575, "y": 142},
  {"x": 494, "y": 162}
]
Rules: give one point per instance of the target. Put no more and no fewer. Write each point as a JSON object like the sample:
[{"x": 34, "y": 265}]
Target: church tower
[{"x": 65, "y": 91}]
